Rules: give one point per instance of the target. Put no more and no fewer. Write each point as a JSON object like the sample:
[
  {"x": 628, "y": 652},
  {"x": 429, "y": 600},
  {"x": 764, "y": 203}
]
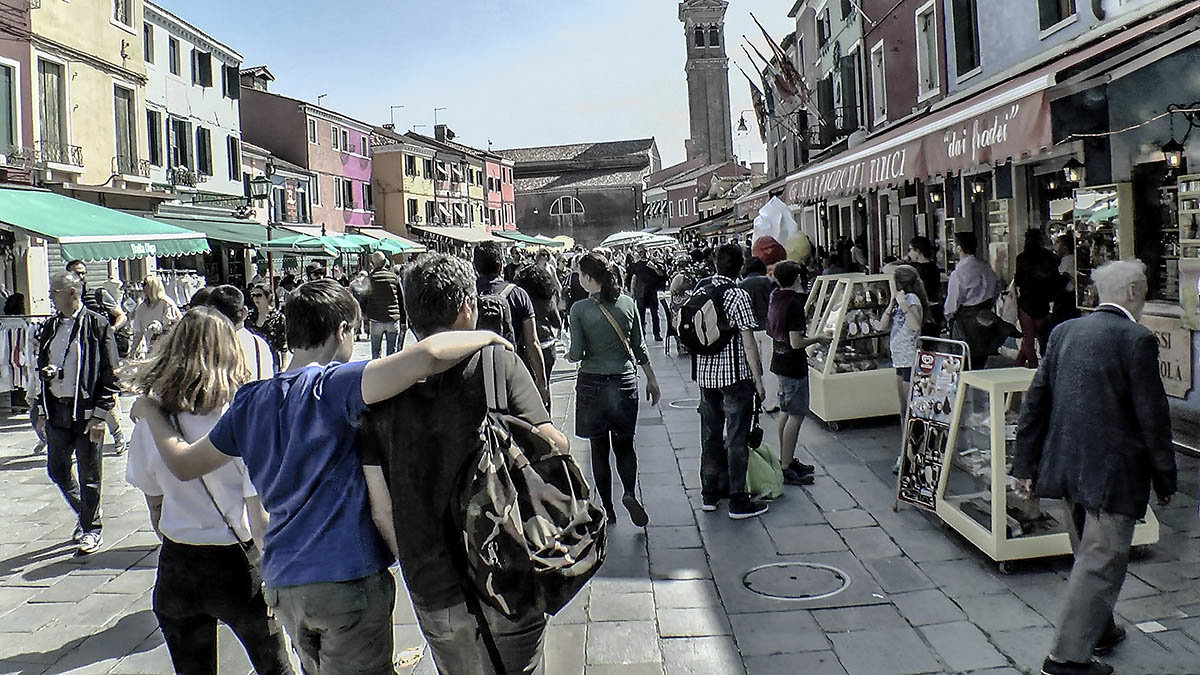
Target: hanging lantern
[
  {"x": 1173, "y": 153},
  {"x": 1073, "y": 171},
  {"x": 935, "y": 196}
]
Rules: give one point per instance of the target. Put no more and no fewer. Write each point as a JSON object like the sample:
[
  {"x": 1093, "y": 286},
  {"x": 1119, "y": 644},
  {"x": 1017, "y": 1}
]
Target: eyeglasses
[{"x": 257, "y": 295}]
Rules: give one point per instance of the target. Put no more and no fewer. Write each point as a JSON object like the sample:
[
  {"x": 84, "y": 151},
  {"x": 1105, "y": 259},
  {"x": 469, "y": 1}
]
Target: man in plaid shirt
[{"x": 729, "y": 382}]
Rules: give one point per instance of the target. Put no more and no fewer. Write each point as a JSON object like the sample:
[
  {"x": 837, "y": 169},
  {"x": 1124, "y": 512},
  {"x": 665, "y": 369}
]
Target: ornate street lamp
[
  {"x": 1173, "y": 153},
  {"x": 1073, "y": 171}
]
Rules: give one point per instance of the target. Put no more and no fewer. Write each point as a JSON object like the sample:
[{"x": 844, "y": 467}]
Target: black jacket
[
  {"x": 1095, "y": 426},
  {"x": 97, "y": 387},
  {"x": 385, "y": 301}
]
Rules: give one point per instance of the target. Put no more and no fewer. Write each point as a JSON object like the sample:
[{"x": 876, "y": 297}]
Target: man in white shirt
[
  {"x": 229, "y": 301},
  {"x": 972, "y": 291}
]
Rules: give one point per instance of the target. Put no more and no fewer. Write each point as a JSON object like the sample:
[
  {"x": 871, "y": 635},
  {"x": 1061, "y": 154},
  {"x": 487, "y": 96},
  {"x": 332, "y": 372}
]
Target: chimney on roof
[
  {"x": 758, "y": 168},
  {"x": 389, "y": 126},
  {"x": 441, "y": 132}
]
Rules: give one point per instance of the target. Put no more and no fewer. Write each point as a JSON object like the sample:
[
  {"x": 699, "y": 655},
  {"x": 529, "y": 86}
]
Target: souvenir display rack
[
  {"x": 975, "y": 492},
  {"x": 1103, "y": 232},
  {"x": 852, "y": 377},
  {"x": 1188, "y": 213},
  {"x": 819, "y": 297}
]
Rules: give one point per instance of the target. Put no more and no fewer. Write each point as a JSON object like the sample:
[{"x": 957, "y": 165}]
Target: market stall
[
  {"x": 853, "y": 377},
  {"x": 975, "y": 494}
]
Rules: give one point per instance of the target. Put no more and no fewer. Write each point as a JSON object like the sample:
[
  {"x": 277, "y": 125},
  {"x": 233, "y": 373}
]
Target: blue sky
[{"x": 517, "y": 73}]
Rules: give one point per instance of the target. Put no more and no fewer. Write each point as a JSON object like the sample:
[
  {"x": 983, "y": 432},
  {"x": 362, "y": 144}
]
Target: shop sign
[
  {"x": 143, "y": 250},
  {"x": 1011, "y": 130},
  {"x": 290, "y": 202},
  {"x": 1174, "y": 353}
]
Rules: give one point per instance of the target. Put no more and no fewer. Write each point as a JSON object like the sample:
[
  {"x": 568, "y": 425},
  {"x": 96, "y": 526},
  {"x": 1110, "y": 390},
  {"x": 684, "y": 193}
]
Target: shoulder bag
[{"x": 620, "y": 333}]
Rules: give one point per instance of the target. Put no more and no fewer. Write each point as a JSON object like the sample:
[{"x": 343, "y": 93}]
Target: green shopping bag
[{"x": 764, "y": 475}]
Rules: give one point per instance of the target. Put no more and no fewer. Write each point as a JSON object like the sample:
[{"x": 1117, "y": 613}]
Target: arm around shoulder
[{"x": 384, "y": 378}]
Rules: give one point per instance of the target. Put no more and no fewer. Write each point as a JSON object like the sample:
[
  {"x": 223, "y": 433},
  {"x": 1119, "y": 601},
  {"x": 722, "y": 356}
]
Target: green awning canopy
[
  {"x": 234, "y": 230},
  {"x": 89, "y": 232}
]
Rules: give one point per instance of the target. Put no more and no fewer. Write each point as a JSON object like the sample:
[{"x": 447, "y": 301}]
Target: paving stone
[
  {"x": 621, "y": 642},
  {"x": 1027, "y": 647},
  {"x": 74, "y": 588},
  {"x": 765, "y": 633},
  {"x": 1163, "y": 606},
  {"x": 565, "y": 649},
  {"x": 870, "y": 542},
  {"x": 808, "y": 663},
  {"x": 1167, "y": 576},
  {"x": 626, "y": 669},
  {"x": 858, "y": 618},
  {"x": 829, "y": 496},
  {"x": 682, "y": 594},
  {"x": 679, "y": 563},
  {"x": 962, "y": 578},
  {"x": 621, "y": 607},
  {"x": 673, "y": 537},
  {"x": 897, "y": 575},
  {"x": 927, "y": 607},
  {"x": 963, "y": 646},
  {"x": 28, "y": 618},
  {"x": 804, "y": 539},
  {"x": 701, "y": 656},
  {"x": 693, "y": 622},
  {"x": 1001, "y": 612},
  {"x": 849, "y": 518},
  {"x": 897, "y": 651}
]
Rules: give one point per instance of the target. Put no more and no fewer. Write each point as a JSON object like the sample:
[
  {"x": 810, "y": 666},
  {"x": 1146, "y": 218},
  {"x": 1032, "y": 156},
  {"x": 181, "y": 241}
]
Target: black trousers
[
  {"x": 649, "y": 301},
  {"x": 200, "y": 585},
  {"x": 67, "y": 445}
]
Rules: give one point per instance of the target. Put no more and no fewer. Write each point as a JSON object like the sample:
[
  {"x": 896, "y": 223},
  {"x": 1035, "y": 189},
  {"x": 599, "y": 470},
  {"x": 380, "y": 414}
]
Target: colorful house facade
[
  {"x": 334, "y": 147},
  {"x": 402, "y": 173}
]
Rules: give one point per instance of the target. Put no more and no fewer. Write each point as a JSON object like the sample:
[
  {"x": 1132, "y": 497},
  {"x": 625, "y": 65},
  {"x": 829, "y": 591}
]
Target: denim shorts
[
  {"x": 606, "y": 404},
  {"x": 793, "y": 395}
]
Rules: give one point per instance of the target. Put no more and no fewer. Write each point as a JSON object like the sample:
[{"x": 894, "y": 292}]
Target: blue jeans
[
  {"x": 725, "y": 416},
  {"x": 391, "y": 332}
]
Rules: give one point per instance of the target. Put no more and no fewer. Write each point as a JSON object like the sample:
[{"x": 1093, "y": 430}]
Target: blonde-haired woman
[
  {"x": 155, "y": 315},
  {"x": 208, "y": 526}
]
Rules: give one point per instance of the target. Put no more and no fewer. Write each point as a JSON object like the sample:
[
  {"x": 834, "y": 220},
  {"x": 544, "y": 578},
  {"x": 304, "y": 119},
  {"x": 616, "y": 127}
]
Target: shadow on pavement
[
  {"x": 111, "y": 643},
  {"x": 67, "y": 561}
]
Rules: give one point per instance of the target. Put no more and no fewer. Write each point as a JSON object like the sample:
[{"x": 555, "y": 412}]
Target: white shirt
[
  {"x": 258, "y": 355},
  {"x": 188, "y": 514},
  {"x": 64, "y": 353},
  {"x": 1124, "y": 311}
]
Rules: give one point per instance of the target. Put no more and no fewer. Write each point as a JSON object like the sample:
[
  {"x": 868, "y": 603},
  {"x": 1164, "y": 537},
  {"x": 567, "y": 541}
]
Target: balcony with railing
[
  {"x": 185, "y": 177},
  {"x": 124, "y": 165},
  {"x": 23, "y": 158},
  {"x": 61, "y": 153}
]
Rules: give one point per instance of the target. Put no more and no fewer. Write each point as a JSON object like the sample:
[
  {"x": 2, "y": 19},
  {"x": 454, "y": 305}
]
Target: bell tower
[{"x": 707, "y": 72}]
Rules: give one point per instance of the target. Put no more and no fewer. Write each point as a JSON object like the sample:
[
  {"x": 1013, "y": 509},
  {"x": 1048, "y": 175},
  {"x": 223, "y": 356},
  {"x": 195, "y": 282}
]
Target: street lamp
[
  {"x": 1073, "y": 171},
  {"x": 1173, "y": 153},
  {"x": 260, "y": 188}
]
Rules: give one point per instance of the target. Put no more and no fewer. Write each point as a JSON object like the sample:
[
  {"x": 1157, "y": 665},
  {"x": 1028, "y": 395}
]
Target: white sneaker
[{"x": 90, "y": 542}]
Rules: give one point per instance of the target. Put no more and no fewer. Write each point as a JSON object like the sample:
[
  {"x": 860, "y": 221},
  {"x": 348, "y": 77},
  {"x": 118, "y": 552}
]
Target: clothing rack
[{"x": 18, "y": 352}]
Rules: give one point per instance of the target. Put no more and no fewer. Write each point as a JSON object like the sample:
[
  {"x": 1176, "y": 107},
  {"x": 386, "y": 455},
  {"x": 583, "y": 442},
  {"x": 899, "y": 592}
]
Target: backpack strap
[
  {"x": 506, "y": 291},
  {"x": 495, "y": 385}
]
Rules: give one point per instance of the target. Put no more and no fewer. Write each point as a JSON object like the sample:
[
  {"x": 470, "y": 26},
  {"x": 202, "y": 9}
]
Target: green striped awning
[
  {"x": 89, "y": 232},
  {"x": 233, "y": 230}
]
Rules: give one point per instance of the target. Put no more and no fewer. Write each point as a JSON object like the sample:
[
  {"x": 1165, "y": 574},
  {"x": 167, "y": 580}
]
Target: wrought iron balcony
[
  {"x": 25, "y": 158},
  {"x": 124, "y": 165},
  {"x": 61, "y": 153},
  {"x": 182, "y": 175}
]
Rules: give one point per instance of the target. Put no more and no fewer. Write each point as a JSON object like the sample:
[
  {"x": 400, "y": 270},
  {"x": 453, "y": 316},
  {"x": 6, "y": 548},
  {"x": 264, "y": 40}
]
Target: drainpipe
[{"x": 1098, "y": 9}]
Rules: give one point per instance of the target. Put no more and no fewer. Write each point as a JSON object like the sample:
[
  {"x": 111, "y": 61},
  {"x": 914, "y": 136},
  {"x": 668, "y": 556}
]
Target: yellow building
[
  {"x": 402, "y": 182},
  {"x": 89, "y": 75}
]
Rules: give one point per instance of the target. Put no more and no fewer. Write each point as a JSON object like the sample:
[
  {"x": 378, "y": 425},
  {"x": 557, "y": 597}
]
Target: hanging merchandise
[
  {"x": 775, "y": 220},
  {"x": 18, "y": 356},
  {"x": 934, "y": 385}
]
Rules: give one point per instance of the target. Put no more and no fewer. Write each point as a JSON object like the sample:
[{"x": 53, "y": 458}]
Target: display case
[
  {"x": 852, "y": 377},
  {"x": 1103, "y": 218},
  {"x": 975, "y": 492},
  {"x": 822, "y": 293},
  {"x": 1187, "y": 193}
]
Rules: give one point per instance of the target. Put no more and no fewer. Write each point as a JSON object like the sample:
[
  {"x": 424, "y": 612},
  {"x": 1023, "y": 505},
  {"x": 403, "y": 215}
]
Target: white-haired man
[
  {"x": 77, "y": 354},
  {"x": 1095, "y": 431}
]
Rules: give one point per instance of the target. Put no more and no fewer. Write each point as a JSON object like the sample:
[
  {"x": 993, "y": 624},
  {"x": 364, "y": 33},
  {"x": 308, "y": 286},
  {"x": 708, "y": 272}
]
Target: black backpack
[
  {"x": 702, "y": 324},
  {"x": 532, "y": 535},
  {"x": 495, "y": 314}
]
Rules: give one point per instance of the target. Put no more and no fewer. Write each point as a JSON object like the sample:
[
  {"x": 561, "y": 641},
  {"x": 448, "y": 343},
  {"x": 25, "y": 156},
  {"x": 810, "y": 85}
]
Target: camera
[{"x": 51, "y": 372}]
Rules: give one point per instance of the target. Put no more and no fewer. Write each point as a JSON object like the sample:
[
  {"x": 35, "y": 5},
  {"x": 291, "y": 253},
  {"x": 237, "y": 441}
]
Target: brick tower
[{"x": 708, "y": 79}]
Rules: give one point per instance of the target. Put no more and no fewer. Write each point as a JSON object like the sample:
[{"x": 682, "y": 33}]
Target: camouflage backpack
[{"x": 531, "y": 533}]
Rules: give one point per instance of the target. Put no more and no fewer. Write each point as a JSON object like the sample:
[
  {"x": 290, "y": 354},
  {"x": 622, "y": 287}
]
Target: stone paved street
[{"x": 670, "y": 599}]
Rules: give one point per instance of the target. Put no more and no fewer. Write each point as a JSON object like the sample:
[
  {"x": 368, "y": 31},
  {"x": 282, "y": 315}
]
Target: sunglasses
[{"x": 257, "y": 295}]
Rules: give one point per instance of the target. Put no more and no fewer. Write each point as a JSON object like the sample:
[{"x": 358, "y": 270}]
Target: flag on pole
[
  {"x": 760, "y": 106},
  {"x": 781, "y": 83},
  {"x": 769, "y": 99},
  {"x": 786, "y": 67}
]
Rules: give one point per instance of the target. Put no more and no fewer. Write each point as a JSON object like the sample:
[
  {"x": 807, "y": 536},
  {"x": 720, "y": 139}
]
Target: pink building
[
  {"x": 501, "y": 207},
  {"x": 334, "y": 147}
]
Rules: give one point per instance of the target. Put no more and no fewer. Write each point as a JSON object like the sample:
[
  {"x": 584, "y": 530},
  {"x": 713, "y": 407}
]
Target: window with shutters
[
  {"x": 413, "y": 210},
  {"x": 367, "y": 203},
  {"x": 154, "y": 136},
  {"x": 316, "y": 190},
  {"x": 124, "y": 125},
  {"x": 878, "y": 84},
  {"x": 928, "y": 79},
  {"x": 312, "y": 131},
  {"x": 123, "y": 11},
  {"x": 204, "y": 163},
  {"x": 173, "y": 55},
  {"x": 234, "y": 149},
  {"x": 427, "y": 168},
  {"x": 346, "y": 141},
  {"x": 966, "y": 36},
  {"x": 410, "y": 165},
  {"x": 1054, "y": 12},
  {"x": 179, "y": 142},
  {"x": 347, "y": 194},
  {"x": 148, "y": 43},
  {"x": 823, "y": 28},
  {"x": 334, "y": 137},
  {"x": 231, "y": 82},
  {"x": 202, "y": 68},
  {"x": 337, "y": 192}
]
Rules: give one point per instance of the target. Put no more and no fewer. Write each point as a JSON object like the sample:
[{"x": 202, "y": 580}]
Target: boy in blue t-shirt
[{"x": 331, "y": 539}]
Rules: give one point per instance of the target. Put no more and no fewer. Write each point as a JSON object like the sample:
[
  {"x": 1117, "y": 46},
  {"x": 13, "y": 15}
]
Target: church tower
[{"x": 708, "y": 80}]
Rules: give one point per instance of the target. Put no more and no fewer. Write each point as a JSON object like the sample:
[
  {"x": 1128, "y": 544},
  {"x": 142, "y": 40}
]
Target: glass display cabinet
[
  {"x": 976, "y": 495},
  {"x": 852, "y": 378},
  {"x": 822, "y": 293}
]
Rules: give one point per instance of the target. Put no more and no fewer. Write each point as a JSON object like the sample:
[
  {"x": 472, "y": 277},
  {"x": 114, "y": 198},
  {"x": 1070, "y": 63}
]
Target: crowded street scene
[{"x": 838, "y": 337}]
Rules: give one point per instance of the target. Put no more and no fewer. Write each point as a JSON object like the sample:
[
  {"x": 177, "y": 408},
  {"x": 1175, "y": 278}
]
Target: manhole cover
[
  {"x": 796, "y": 581},
  {"x": 685, "y": 403}
]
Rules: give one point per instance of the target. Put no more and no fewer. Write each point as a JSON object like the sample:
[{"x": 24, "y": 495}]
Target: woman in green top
[{"x": 607, "y": 341}]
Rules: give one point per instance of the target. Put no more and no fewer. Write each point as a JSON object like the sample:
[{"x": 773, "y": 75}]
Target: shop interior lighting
[
  {"x": 977, "y": 186},
  {"x": 935, "y": 196}
]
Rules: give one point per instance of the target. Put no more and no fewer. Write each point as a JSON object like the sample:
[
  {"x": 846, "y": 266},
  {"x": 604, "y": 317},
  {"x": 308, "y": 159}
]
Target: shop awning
[
  {"x": 233, "y": 230},
  {"x": 89, "y": 232},
  {"x": 392, "y": 243},
  {"x": 466, "y": 235},
  {"x": 533, "y": 240},
  {"x": 1007, "y": 121}
]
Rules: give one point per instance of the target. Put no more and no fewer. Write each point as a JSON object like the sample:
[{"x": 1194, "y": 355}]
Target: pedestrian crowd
[{"x": 284, "y": 479}]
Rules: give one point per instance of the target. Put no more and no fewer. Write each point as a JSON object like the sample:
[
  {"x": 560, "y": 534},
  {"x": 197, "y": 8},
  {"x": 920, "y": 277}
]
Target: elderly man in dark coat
[{"x": 1095, "y": 431}]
